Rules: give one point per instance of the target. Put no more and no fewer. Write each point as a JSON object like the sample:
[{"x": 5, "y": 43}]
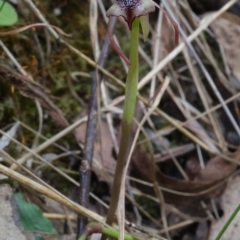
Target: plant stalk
[
  {"x": 94, "y": 227},
  {"x": 128, "y": 113}
]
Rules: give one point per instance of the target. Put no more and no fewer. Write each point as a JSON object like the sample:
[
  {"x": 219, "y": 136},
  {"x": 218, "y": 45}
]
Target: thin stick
[{"x": 85, "y": 168}]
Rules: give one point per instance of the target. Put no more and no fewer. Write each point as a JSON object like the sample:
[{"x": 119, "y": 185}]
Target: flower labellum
[{"x": 129, "y": 10}]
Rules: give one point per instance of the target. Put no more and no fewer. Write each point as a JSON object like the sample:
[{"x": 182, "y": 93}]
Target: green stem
[
  {"x": 228, "y": 223},
  {"x": 115, "y": 234},
  {"x": 94, "y": 227},
  {"x": 128, "y": 113},
  {"x": 83, "y": 237}
]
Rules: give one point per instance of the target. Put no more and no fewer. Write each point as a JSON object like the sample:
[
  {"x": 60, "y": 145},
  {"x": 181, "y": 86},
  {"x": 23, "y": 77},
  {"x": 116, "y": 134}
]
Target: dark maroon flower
[{"x": 129, "y": 10}]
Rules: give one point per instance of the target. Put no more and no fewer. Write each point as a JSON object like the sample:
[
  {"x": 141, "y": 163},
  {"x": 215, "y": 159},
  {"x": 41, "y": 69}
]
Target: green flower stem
[
  {"x": 228, "y": 223},
  {"x": 98, "y": 228},
  {"x": 115, "y": 234},
  {"x": 83, "y": 237},
  {"x": 128, "y": 113}
]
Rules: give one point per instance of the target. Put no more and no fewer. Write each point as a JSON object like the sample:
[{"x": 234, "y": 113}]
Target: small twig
[{"x": 85, "y": 169}]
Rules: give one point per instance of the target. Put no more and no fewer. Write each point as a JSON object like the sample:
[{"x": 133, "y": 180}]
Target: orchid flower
[{"x": 131, "y": 9}]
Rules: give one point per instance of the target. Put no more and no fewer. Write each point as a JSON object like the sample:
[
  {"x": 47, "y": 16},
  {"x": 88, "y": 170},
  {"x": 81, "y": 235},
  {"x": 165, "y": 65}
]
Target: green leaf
[
  {"x": 145, "y": 26},
  {"x": 8, "y": 15},
  {"x": 38, "y": 238},
  {"x": 32, "y": 217}
]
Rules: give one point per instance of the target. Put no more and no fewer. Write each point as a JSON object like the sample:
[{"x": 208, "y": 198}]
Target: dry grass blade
[
  {"x": 34, "y": 91},
  {"x": 50, "y": 141},
  {"x": 203, "y": 25},
  {"x": 27, "y": 182},
  {"x": 40, "y": 158},
  {"x": 42, "y": 18},
  {"x": 22, "y": 29}
]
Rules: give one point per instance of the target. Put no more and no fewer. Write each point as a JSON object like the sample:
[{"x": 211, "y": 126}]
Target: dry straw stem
[
  {"x": 9, "y": 158},
  {"x": 207, "y": 76},
  {"x": 42, "y": 18},
  {"x": 188, "y": 134},
  {"x": 47, "y": 163},
  {"x": 58, "y": 216},
  {"x": 203, "y": 25},
  {"x": 22, "y": 71},
  {"x": 41, "y": 158},
  {"x": 49, "y": 142},
  {"x": 13, "y": 59},
  {"x": 51, "y": 194}
]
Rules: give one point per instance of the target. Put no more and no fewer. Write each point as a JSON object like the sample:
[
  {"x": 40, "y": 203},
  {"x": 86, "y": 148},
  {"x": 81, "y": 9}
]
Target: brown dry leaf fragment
[
  {"x": 10, "y": 226},
  {"x": 229, "y": 201},
  {"x": 34, "y": 91},
  {"x": 228, "y": 33},
  {"x": 105, "y": 166},
  {"x": 192, "y": 167},
  {"x": 215, "y": 171}
]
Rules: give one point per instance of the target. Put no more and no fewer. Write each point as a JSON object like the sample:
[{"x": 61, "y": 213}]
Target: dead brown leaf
[
  {"x": 105, "y": 166},
  {"x": 193, "y": 166},
  {"x": 227, "y": 31},
  {"x": 141, "y": 163},
  {"x": 34, "y": 91},
  {"x": 216, "y": 169}
]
